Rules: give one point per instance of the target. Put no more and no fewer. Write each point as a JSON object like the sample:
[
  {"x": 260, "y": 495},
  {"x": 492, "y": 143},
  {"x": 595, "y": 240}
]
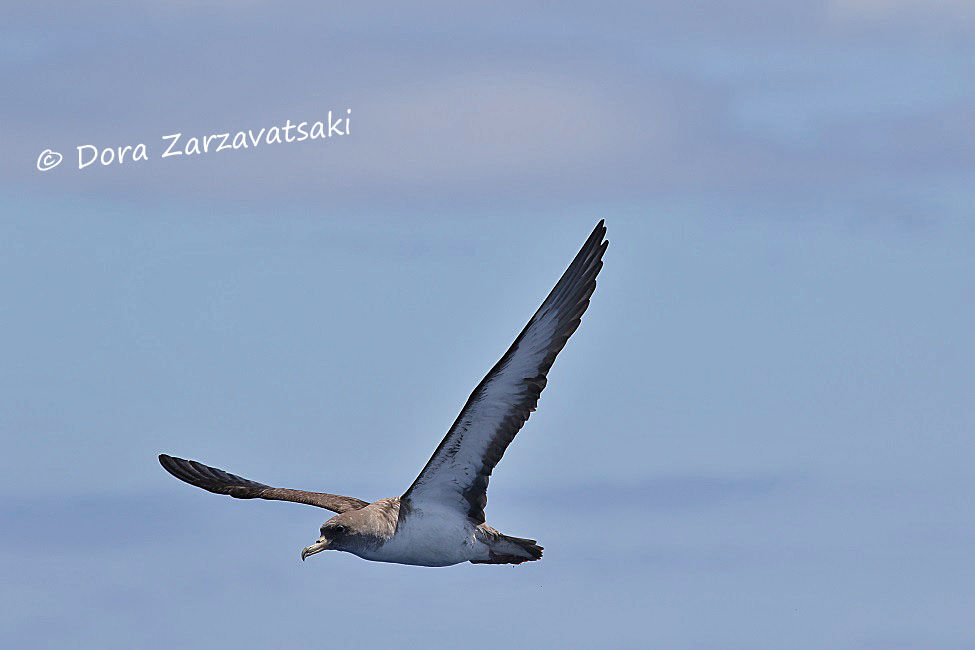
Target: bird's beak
[{"x": 317, "y": 547}]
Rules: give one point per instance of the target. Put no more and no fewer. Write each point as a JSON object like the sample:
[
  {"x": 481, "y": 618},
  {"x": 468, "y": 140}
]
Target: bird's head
[{"x": 336, "y": 534}]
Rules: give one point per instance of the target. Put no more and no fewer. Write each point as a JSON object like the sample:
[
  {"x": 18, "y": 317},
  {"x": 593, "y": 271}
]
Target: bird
[{"x": 439, "y": 520}]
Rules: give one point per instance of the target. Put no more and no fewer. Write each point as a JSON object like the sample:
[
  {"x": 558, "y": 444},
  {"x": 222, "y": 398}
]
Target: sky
[{"x": 760, "y": 437}]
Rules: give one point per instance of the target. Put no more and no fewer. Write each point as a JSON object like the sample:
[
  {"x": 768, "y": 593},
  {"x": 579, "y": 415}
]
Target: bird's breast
[{"x": 429, "y": 538}]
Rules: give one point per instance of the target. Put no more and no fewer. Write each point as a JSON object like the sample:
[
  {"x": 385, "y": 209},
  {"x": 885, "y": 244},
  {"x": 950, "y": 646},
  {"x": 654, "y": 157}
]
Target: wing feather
[
  {"x": 218, "y": 481},
  {"x": 457, "y": 474}
]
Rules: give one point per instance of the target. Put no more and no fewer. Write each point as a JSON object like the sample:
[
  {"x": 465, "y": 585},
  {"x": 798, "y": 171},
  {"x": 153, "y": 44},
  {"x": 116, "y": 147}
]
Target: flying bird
[{"x": 439, "y": 520}]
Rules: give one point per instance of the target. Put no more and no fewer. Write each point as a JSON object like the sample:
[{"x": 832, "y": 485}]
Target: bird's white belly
[{"x": 430, "y": 538}]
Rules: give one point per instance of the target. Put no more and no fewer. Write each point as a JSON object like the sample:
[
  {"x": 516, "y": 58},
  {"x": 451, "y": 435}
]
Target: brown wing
[
  {"x": 218, "y": 481},
  {"x": 457, "y": 474}
]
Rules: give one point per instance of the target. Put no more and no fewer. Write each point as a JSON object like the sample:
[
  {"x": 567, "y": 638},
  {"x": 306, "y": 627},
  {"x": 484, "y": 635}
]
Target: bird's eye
[{"x": 340, "y": 530}]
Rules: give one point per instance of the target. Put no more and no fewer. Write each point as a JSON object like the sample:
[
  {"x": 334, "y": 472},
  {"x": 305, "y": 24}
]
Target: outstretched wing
[
  {"x": 221, "y": 482},
  {"x": 456, "y": 476}
]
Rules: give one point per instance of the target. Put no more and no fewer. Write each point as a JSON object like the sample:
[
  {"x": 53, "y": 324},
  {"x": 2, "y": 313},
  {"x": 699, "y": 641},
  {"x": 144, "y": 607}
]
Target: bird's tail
[{"x": 511, "y": 550}]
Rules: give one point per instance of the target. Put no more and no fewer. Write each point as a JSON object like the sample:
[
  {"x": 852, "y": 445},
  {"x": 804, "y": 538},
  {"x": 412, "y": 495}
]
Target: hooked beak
[{"x": 317, "y": 547}]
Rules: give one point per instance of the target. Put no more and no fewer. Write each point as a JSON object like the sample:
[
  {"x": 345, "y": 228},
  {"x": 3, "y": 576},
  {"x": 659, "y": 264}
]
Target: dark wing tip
[{"x": 208, "y": 478}]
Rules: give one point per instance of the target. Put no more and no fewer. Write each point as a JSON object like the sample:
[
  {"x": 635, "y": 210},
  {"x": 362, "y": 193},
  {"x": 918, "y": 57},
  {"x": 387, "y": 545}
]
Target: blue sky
[{"x": 761, "y": 436}]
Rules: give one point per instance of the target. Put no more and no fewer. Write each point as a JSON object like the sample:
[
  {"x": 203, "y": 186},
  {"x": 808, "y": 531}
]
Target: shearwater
[{"x": 439, "y": 520}]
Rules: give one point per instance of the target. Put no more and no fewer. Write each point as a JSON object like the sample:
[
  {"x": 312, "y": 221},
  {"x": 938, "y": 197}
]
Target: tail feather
[{"x": 512, "y": 550}]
